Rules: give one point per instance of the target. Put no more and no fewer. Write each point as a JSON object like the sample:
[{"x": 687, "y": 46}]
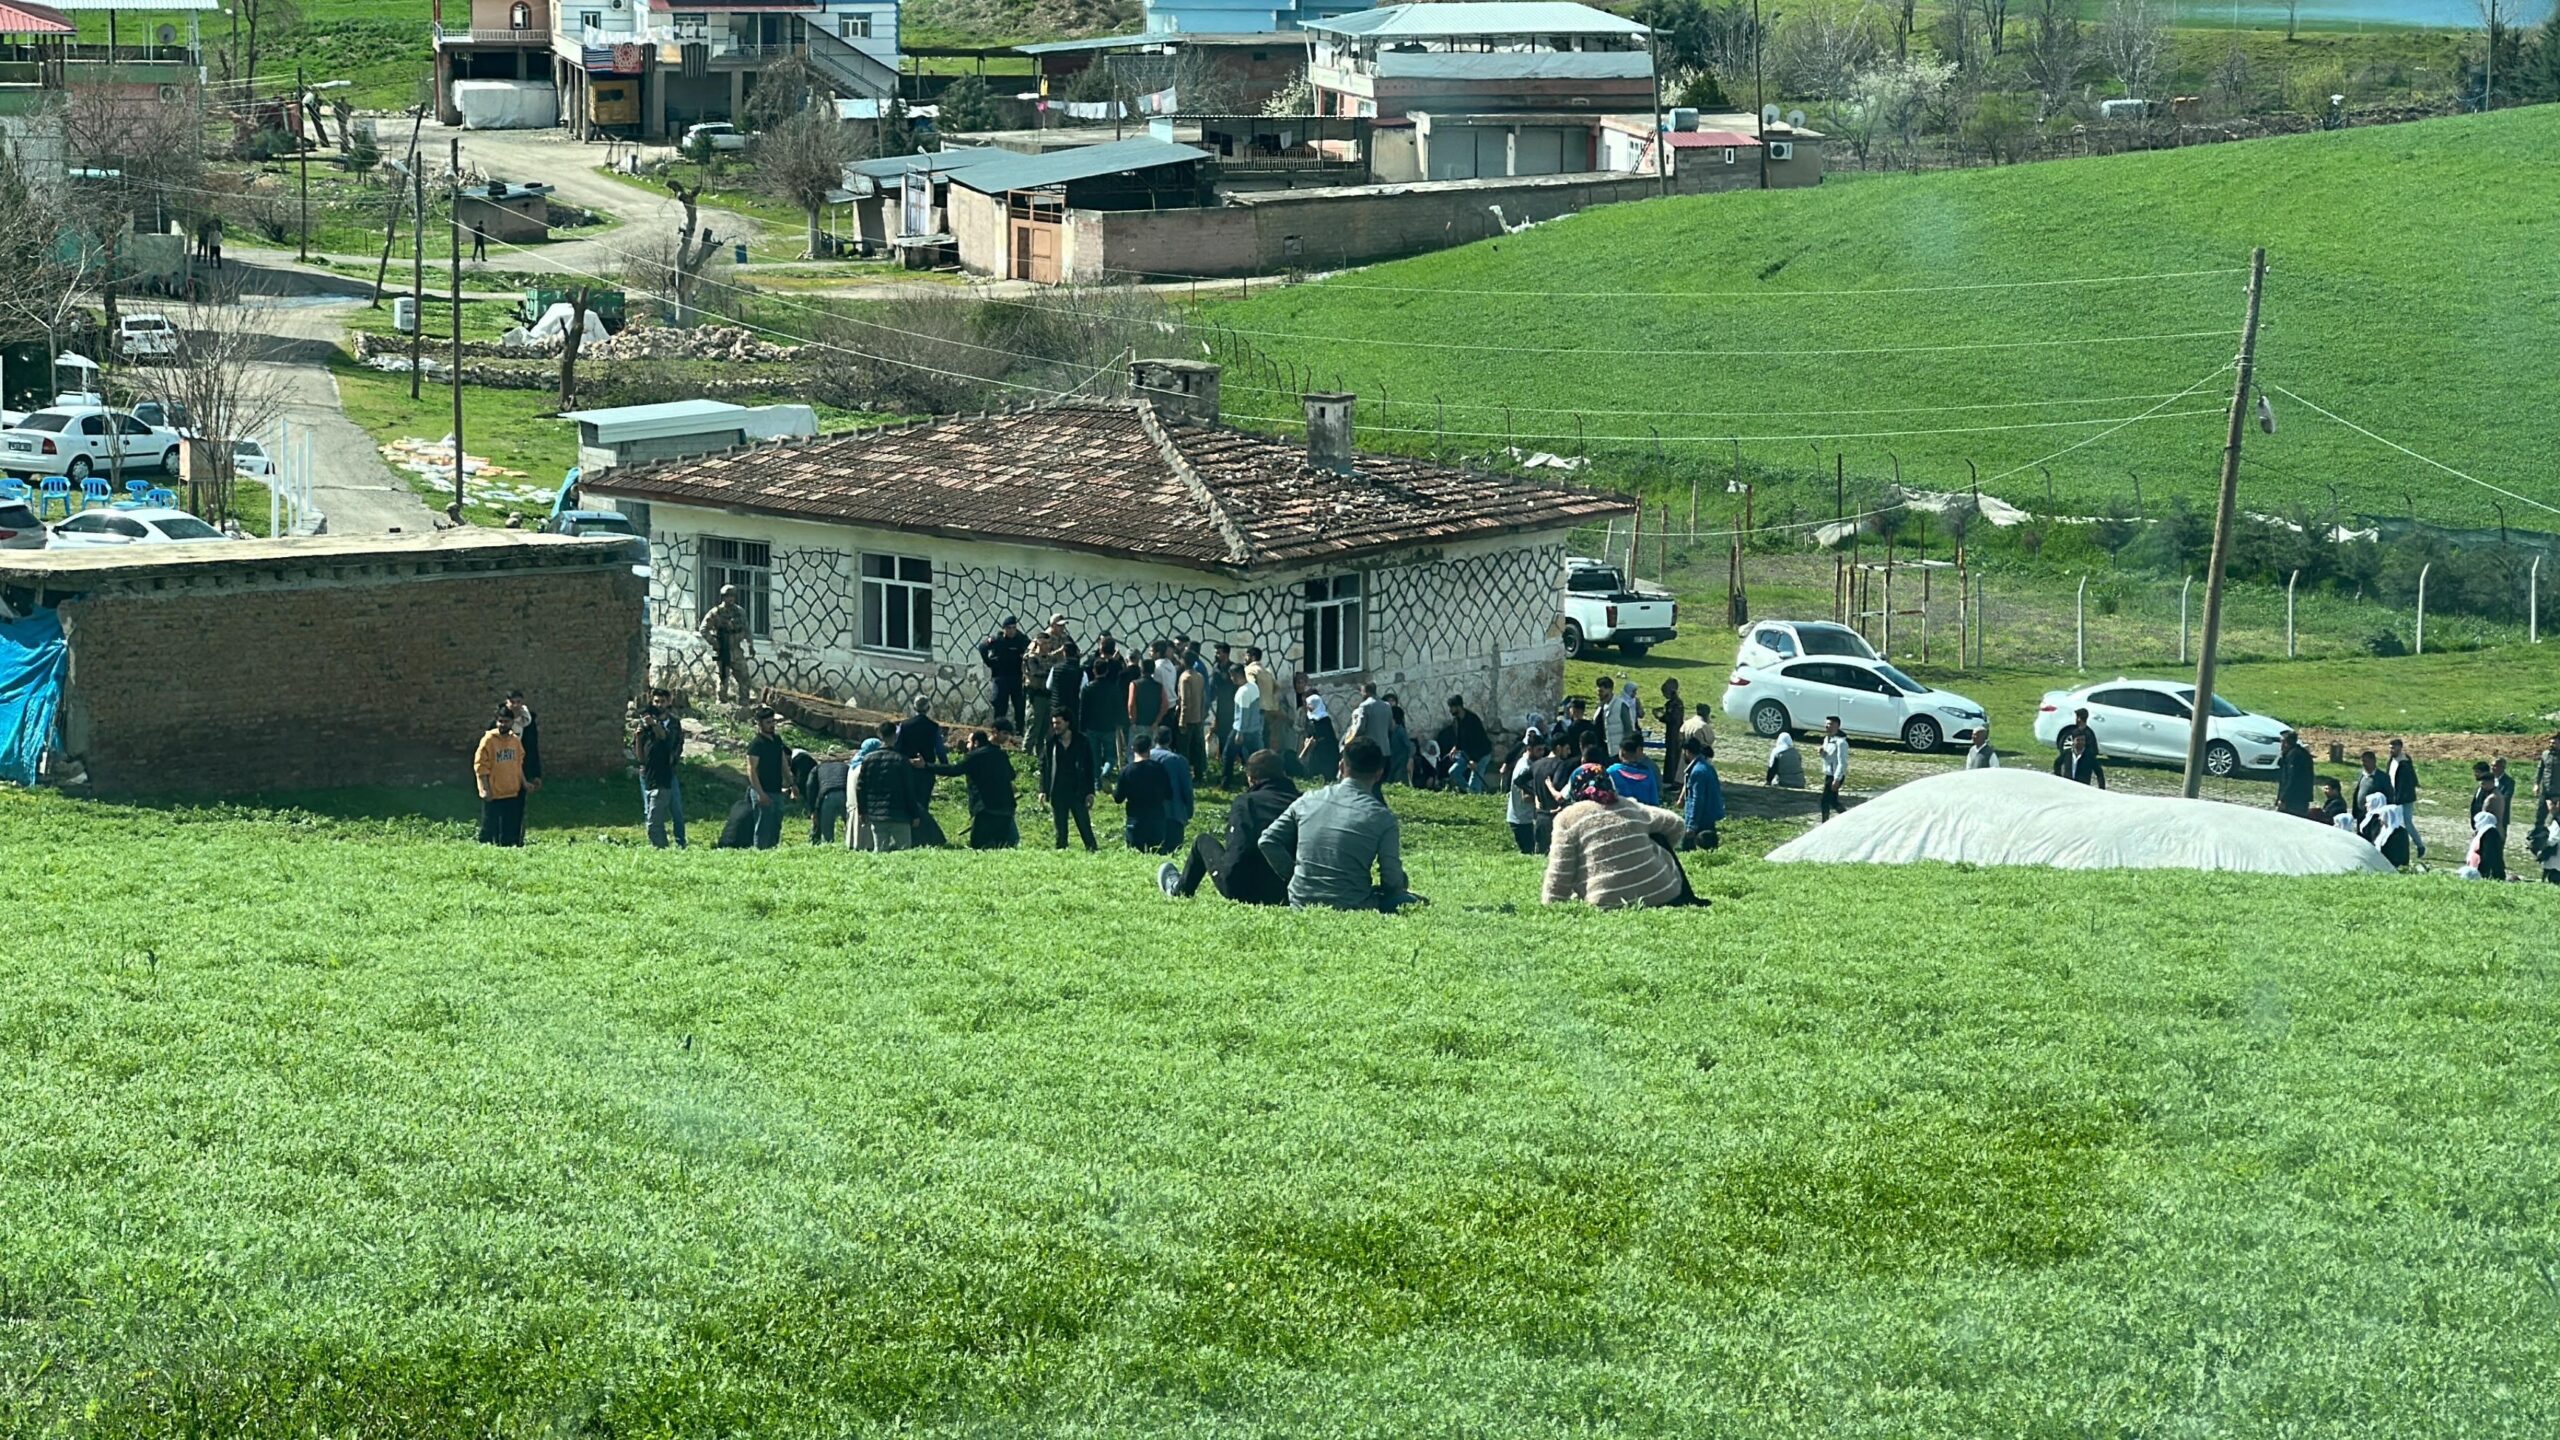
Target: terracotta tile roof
[{"x": 1113, "y": 479}]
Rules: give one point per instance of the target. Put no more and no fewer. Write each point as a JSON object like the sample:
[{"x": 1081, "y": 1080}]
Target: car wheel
[
  {"x": 1634, "y": 652},
  {"x": 2220, "y": 760},
  {"x": 1921, "y": 735},
  {"x": 77, "y": 470},
  {"x": 1769, "y": 719},
  {"x": 1575, "y": 647},
  {"x": 169, "y": 461}
]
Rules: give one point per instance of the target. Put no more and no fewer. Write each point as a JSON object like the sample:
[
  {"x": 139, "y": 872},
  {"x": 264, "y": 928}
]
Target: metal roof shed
[
  {"x": 1065, "y": 167},
  {"x": 1460, "y": 18}
]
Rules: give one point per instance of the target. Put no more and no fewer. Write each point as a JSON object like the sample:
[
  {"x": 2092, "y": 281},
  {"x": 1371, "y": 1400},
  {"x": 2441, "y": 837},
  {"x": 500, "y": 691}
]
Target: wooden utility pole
[
  {"x": 304, "y": 151},
  {"x": 2199, "y": 728},
  {"x": 455, "y": 512},
  {"x": 391, "y": 232},
  {"x": 417, "y": 271}
]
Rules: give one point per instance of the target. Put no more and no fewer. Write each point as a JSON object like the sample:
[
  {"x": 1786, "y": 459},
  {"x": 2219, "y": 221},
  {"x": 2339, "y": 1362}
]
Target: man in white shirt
[
  {"x": 1835, "y": 765},
  {"x": 1981, "y": 756}
]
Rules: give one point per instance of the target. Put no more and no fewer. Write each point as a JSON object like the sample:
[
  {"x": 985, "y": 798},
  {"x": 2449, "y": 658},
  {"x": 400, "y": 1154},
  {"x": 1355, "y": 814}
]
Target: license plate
[{"x": 21, "y": 447}]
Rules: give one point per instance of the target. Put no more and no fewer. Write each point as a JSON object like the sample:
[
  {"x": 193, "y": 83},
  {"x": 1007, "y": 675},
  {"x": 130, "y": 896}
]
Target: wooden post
[
  {"x": 417, "y": 271},
  {"x": 2210, "y": 642},
  {"x": 456, "y": 513}
]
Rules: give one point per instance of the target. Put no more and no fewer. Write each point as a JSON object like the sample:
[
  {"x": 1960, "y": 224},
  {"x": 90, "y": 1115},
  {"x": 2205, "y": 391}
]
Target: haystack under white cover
[{"x": 2028, "y": 817}]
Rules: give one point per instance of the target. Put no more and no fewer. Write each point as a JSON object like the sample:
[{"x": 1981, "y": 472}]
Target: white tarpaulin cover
[
  {"x": 2028, "y": 817},
  {"x": 554, "y": 325},
  {"x": 506, "y": 104}
]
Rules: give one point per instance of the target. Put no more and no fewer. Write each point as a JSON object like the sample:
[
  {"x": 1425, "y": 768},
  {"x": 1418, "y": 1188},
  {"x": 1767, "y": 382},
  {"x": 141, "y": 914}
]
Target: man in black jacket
[
  {"x": 1066, "y": 778},
  {"x": 2068, "y": 735},
  {"x": 989, "y": 773},
  {"x": 2293, "y": 775},
  {"x": 1145, "y": 793},
  {"x": 2402, "y": 775},
  {"x": 2080, "y": 766},
  {"x": 824, "y": 789},
  {"x": 1002, "y": 653},
  {"x": 1235, "y": 861}
]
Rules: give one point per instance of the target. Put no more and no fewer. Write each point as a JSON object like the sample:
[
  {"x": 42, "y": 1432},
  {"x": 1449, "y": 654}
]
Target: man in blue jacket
[{"x": 1702, "y": 799}]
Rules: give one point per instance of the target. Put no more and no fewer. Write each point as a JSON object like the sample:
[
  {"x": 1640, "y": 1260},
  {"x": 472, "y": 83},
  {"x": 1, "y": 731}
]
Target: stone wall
[
  {"x": 1479, "y": 619},
  {"x": 309, "y": 683}
]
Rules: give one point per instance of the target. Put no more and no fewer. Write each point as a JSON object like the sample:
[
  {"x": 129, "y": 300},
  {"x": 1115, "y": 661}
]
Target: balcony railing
[{"x": 535, "y": 36}]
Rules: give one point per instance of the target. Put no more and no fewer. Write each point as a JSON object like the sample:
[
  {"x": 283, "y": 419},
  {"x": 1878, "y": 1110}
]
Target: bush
[
  {"x": 965, "y": 104},
  {"x": 2385, "y": 643}
]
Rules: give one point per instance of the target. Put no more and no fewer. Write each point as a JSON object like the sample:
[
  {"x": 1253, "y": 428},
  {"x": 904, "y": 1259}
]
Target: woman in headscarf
[
  {"x": 1786, "y": 763},
  {"x": 884, "y": 806},
  {"x": 2488, "y": 857},
  {"x": 1611, "y": 852},
  {"x": 1319, "y": 754},
  {"x": 2382, "y": 827}
]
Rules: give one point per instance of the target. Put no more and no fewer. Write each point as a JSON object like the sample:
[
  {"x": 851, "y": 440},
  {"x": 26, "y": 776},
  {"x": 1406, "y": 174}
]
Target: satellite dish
[
  {"x": 2266, "y": 415},
  {"x": 168, "y": 34},
  {"x": 1768, "y": 114},
  {"x": 1795, "y": 119}
]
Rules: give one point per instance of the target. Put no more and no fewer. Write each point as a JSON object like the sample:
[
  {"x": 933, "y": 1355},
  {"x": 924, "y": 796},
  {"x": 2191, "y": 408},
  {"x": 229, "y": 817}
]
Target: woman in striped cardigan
[{"x": 1611, "y": 852}]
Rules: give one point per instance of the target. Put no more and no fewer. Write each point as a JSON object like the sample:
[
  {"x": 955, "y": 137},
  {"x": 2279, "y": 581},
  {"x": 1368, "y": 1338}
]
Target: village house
[{"x": 872, "y": 563}]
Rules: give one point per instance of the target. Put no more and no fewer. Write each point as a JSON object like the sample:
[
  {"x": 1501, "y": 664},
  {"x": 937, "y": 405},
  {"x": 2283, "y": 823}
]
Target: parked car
[
  {"x": 167, "y": 414},
  {"x": 1601, "y": 608},
  {"x": 75, "y": 441},
  {"x": 715, "y": 135},
  {"x": 2153, "y": 719},
  {"x": 1872, "y": 698},
  {"x": 1767, "y": 642},
  {"x": 132, "y": 525},
  {"x": 605, "y": 523},
  {"x": 250, "y": 460},
  {"x": 146, "y": 337},
  {"x": 19, "y": 527}
]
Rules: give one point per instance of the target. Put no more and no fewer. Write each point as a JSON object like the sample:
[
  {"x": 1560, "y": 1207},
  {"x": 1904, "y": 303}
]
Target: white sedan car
[
  {"x": 132, "y": 525},
  {"x": 77, "y": 441},
  {"x": 1871, "y": 697},
  {"x": 715, "y": 135},
  {"x": 250, "y": 460},
  {"x": 2152, "y": 719}
]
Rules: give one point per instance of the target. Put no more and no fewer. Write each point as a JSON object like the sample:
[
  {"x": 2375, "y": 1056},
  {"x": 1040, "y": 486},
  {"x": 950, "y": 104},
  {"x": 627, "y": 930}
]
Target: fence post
[
  {"x": 2182, "y": 618},
  {"x": 1981, "y": 613},
  {"x": 2288, "y": 614},
  {"x": 2533, "y": 603},
  {"x": 2422, "y": 605},
  {"x": 2080, "y": 627}
]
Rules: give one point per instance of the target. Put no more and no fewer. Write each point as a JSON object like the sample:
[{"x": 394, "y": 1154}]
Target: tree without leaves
[
  {"x": 570, "y": 343},
  {"x": 802, "y": 161},
  {"x": 2054, "y": 49},
  {"x": 42, "y": 297},
  {"x": 150, "y": 164},
  {"x": 2133, "y": 36},
  {"x": 1819, "y": 48},
  {"x": 693, "y": 247},
  {"x": 224, "y": 374},
  {"x": 1994, "y": 15}
]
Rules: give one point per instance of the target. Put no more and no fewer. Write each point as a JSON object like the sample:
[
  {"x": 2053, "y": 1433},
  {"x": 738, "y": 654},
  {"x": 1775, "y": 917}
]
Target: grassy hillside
[
  {"x": 377, "y": 1133},
  {"x": 2413, "y": 289}
]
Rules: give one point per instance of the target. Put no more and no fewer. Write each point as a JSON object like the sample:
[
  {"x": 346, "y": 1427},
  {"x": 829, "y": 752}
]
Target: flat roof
[
  {"x": 1162, "y": 37},
  {"x": 1475, "y": 17},
  {"x": 898, "y": 167},
  {"x": 1033, "y": 172},
  {"x": 84, "y": 567},
  {"x": 664, "y": 410}
]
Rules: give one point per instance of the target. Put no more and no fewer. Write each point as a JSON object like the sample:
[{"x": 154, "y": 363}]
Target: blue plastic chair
[
  {"x": 13, "y": 489},
  {"x": 94, "y": 491},
  {"x": 164, "y": 498},
  {"x": 57, "y": 491},
  {"x": 135, "y": 489}
]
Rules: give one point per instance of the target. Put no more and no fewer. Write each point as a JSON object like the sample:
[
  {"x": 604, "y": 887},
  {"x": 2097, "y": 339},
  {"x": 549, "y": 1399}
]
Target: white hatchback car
[
  {"x": 1872, "y": 698},
  {"x": 146, "y": 337},
  {"x": 2152, "y": 720},
  {"x": 132, "y": 525},
  {"x": 1766, "y": 642}
]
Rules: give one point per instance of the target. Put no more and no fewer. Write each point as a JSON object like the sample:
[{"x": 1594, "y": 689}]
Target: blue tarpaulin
[{"x": 33, "y": 659}]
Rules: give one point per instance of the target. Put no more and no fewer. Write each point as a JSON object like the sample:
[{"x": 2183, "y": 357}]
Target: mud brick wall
[{"x": 241, "y": 688}]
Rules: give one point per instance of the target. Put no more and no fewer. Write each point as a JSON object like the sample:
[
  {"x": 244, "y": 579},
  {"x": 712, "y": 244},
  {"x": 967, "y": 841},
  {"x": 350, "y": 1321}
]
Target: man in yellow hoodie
[{"x": 499, "y": 767}]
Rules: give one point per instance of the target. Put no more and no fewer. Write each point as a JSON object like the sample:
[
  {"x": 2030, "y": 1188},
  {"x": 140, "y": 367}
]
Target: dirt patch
[{"x": 2519, "y": 749}]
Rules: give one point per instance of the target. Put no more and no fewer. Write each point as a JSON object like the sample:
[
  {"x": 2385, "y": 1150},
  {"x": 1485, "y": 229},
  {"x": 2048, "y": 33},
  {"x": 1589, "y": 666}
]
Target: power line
[
  {"x": 2110, "y": 430},
  {"x": 2114, "y": 423},
  {"x": 1489, "y": 405},
  {"x": 1856, "y": 294},
  {"x": 2412, "y": 454}
]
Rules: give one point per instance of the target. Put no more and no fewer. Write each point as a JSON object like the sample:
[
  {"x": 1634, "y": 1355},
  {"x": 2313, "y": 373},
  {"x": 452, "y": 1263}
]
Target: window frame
[
  {"x": 873, "y": 606},
  {"x": 854, "y": 27},
  {"x": 1344, "y": 601},
  {"x": 735, "y": 567}
]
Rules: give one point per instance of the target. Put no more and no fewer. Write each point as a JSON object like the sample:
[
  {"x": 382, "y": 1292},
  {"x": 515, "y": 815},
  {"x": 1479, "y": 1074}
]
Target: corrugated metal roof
[
  {"x": 33, "y": 20},
  {"x": 1098, "y": 42},
  {"x": 897, "y": 167},
  {"x": 1477, "y": 17},
  {"x": 1034, "y": 172},
  {"x": 1710, "y": 140}
]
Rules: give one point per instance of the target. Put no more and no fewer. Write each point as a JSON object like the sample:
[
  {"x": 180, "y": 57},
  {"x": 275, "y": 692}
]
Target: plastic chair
[
  {"x": 13, "y": 489},
  {"x": 166, "y": 499},
  {"x": 136, "y": 489},
  {"x": 94, "y": 492},
  {"x": 57, "y": 491}
]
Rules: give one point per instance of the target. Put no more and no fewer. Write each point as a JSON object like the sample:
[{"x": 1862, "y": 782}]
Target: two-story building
[
  {"x": 505, "y": 41},
  {"x": 144, "y": 58},
  {"x": 1466, "y": 58},
  {"x": 650, "y": 68}
]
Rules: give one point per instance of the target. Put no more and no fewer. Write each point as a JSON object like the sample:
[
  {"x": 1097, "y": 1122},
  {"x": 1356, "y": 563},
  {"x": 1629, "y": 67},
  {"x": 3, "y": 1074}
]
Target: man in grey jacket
[{"x": 1328, "y": 841}]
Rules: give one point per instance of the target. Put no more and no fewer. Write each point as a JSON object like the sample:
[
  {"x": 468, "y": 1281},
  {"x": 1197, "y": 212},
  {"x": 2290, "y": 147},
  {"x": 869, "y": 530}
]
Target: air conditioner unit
[{"x": 1782, "y": 150}]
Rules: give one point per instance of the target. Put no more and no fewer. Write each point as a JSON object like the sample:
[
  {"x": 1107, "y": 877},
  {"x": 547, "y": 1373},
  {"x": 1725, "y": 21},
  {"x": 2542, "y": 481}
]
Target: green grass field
[
  {"x": 382, "y": 1134},
  {"x": 515, "y": 429},
  {"x": 1759, "y": 315}
]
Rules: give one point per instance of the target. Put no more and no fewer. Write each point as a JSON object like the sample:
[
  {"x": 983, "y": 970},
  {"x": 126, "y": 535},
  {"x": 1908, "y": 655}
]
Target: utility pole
[
  {"x": 2199, "y": 726},
  {"x": 304, "y": 151},
  {"x": 417, "y": 271},
  {"x": 455, "y": 512},
  {"x": 1661, "y": 140},
  {"x": 1759, "y": 99}
]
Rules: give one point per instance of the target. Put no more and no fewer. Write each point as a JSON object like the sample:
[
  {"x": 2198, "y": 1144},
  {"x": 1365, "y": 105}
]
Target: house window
[
  {"x": 1728, "y": 154},
  {"x": 853, "y": 27},
  {"x": 519, "y": 17},
  {"x": 747, "y": 564},
  {"x": 590, "y": 19},
  {"x": 1331, "y": 628},
  {"x": 897, "y": 603},
  {"x": 692, "y": 27}
]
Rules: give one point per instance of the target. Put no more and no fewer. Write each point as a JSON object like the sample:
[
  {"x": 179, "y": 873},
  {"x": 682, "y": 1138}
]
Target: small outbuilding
[
  {"x": 625, "y": 434},
  {"x": 506, "y": 210},
  {"x": 1012, "y": 216}
]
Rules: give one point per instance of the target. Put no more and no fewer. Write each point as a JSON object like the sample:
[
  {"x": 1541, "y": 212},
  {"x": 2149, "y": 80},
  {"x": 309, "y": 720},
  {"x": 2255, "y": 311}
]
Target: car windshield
[
  {"x": 1595, "y": 581},
  {"x": 605, "y": 525},
  {"x": 2222, "y": 709},
  {"x": 1909, "y": 685},
  {"x": 248, "y": 448},
  {"x": 187, "y": 527},
  {"x": 52, "y": 423},
  {"x": 1834, "y": 640}
]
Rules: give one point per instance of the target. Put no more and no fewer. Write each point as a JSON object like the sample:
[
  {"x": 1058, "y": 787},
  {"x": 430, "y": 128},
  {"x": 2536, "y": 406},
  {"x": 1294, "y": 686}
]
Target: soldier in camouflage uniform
[{"x": 725, "y": 626}]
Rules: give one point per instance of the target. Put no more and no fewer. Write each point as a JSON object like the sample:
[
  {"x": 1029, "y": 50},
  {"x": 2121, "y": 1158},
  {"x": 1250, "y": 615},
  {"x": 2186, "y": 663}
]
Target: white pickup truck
[{"x": 1601, "y": 608}]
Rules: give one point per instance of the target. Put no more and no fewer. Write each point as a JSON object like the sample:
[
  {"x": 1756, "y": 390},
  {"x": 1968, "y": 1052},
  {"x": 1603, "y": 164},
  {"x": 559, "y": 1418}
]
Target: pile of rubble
[{"x": 709, "y": 342}]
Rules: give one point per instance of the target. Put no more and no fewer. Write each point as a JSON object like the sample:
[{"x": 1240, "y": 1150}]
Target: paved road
[
  {"x": 649, "y": 217},
  {"x": 351, "y": 486}
]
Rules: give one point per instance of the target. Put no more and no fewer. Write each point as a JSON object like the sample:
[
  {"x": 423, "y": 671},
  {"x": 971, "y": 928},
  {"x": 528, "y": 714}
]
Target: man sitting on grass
[
  {"x": 1326, "y": 843},
  {"x": 1235, "y": 862}
]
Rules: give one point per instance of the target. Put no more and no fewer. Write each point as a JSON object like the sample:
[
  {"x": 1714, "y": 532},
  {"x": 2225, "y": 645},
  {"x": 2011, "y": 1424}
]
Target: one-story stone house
[{"x": 874, "y": 562}]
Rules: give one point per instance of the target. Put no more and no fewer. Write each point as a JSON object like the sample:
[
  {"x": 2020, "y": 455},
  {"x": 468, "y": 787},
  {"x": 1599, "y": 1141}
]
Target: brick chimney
[
  {"x": 1329, "y": 431},
  {"x": 1183, "y": 391}
]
